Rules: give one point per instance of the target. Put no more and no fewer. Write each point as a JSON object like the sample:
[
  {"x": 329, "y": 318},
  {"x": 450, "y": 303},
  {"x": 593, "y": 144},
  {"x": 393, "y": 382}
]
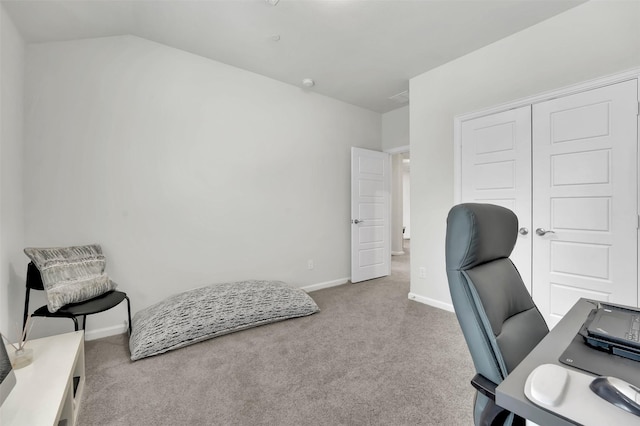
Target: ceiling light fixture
[
  {"x": 275, "y": 37},
  {"x": 307, "y": 82}
]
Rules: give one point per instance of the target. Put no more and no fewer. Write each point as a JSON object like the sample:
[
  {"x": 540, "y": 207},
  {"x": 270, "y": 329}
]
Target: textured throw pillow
[
  {"x": 208, "y": 312},
  {"x": 71, "y": 274}
]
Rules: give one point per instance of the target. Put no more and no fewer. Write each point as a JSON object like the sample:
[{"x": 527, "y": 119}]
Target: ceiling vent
[{"x": 400, "y": 98}]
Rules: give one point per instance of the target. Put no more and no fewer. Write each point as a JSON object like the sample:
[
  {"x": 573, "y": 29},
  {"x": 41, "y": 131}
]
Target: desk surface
[
  {"x": 510, "y": 393},
  {"x": 37, "y": 398}
]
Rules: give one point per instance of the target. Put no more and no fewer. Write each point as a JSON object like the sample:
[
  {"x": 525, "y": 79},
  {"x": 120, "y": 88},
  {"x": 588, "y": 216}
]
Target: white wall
[
  {"x": 594, "y": 39},
  {"x": 12, "y": 272},
  {"x": 188, "y": 171},
  {"x": 395, "y": 128}
]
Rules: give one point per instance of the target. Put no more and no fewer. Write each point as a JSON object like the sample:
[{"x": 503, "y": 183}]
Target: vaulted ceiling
[{"x": 359, "y": 51}]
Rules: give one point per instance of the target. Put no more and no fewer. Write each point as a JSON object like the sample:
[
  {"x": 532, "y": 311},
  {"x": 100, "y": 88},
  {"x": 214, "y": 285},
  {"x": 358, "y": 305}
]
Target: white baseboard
[
  {"x": 397, "y": 253},
  {"x": 106, "y": 331},
  {"x": 431, "y": 302},
  {"x": 326, "y": 284}
]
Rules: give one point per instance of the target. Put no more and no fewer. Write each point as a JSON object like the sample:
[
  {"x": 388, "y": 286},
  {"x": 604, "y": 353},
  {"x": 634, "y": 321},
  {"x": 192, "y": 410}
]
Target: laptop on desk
[{"x": 615, "y": 329}]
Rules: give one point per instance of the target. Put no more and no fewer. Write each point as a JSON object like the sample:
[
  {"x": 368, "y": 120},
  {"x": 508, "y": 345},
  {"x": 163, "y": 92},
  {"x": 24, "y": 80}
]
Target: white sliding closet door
[
  {"x": 585, "y": 195},
  {"x": 496, "y": 169}
]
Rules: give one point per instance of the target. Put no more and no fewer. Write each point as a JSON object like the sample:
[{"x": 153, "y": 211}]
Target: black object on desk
[
  {"x": 606, "y": 343},
  {"x": 615, "y": 329},
  {"x": 617, "y": 392},
  {"x": 582, "y": 356}
]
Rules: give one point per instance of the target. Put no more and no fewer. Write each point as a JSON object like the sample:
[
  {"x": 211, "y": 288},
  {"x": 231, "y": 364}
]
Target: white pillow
[{"x": 71, "y": 274}]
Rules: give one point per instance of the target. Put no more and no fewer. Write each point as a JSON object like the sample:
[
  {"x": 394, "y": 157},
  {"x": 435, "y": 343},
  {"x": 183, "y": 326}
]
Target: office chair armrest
[
  {"x": 492, "y": 414},
  {"x": 484, "y": 386}
]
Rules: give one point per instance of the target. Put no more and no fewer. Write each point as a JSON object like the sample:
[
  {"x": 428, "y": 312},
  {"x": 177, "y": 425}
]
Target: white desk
[{"x": 44, "y": 392}]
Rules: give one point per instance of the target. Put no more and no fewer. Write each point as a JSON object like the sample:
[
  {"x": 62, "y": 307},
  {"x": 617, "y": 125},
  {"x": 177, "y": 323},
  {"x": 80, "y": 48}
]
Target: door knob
[
  {"x": 523, "y": 231},
  {"x": 357, "y": 221},
  {"x": 542, "y": 231}
]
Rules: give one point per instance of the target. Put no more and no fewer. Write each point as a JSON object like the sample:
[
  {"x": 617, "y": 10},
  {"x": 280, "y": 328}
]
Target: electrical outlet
[
  {"x": 422, "y": 272},
  {"x": 310, "y": 264}
]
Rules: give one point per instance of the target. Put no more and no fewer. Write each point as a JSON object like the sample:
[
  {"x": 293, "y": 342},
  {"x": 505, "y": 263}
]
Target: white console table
[{"x": 46, "y": 392}]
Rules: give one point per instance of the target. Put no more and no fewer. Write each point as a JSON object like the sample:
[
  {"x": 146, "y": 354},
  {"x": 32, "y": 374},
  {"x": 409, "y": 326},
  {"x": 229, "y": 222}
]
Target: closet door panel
[
  {"x": 496, "y": 169},
  {"x": 585, "y": 194}
]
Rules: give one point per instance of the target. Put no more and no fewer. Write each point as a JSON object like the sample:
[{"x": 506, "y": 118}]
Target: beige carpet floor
[{"x": 370, "y": 357}]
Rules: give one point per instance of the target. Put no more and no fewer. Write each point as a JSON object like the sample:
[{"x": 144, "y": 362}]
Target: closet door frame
[{"x": 564, "y": 91}]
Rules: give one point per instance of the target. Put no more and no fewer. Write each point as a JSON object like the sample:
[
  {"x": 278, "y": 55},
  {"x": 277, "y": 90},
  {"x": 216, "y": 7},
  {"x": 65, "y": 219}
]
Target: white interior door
[
  {"x": 370, "y": 214},
  {"x": 585, "y": 195},
  {"x": 496, "y": 169}
]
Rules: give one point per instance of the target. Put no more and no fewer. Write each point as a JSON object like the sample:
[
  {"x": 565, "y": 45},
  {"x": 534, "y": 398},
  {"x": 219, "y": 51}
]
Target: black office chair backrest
[{"x": 499, "y": 320}]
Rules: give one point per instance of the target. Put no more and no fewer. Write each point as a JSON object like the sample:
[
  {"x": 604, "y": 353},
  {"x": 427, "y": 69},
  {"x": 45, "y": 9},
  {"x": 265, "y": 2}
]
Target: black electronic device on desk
[
  {"x": 614, "y": 329},
  {"x": 605, "y": 344}
]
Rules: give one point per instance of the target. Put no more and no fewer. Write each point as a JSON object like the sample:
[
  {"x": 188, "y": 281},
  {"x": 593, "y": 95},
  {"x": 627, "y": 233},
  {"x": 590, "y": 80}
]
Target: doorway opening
[{"x": 400, "y": 211}]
